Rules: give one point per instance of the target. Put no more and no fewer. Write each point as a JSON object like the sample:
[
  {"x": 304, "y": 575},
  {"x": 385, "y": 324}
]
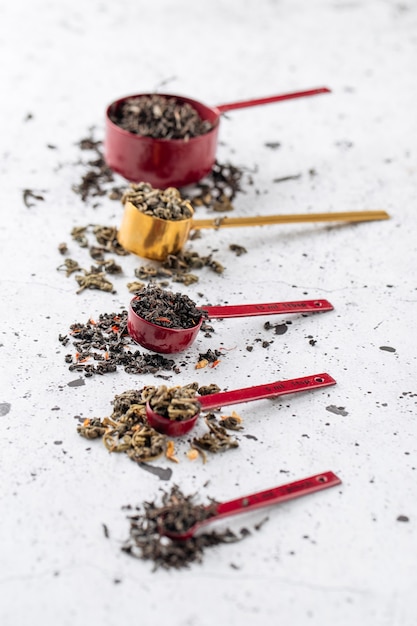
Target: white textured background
[{"x": 334, "y": 559}]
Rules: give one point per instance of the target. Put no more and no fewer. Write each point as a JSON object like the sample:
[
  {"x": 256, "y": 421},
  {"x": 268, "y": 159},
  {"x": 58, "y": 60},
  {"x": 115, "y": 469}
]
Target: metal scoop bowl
[
  {"x": 174, "y": 162},
  {"x": 155, "y": 238},
  {"x": 254, "y": 501},
  {"x": 171, "y": 340},
  {"x": 176, "y": 428}
]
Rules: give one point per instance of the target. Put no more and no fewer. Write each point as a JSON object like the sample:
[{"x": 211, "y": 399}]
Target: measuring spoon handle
[
  {"x": 269, "y": 308},
  {"x": 279, "y": 494},
  {"x": 292, "y": 218},
  {"x": 286, "y": 96},
  {"x": 278, "y": 388}
]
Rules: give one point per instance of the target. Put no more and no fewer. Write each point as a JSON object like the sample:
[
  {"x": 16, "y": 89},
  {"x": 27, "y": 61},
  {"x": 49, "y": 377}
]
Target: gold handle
[{"x": 261, "y": 220}]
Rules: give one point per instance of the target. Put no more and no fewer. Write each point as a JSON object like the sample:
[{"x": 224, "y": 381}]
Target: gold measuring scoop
[{"x": 155, "y": 238}]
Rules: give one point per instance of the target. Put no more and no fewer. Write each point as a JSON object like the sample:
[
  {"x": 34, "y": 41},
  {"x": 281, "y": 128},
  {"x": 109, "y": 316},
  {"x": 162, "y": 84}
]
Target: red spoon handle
[
  {"x": 278, "y": 494},
  {"x": 269, "y": 390},
  {"x": 269, "y": 308},
  {"x": 286, "y": 96}
]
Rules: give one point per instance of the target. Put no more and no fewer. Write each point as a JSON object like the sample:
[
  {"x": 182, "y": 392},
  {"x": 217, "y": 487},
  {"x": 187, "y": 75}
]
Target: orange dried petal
[
  {"x": 170, "y": 451},
  {"x": 235, "y": 415},
  {"x": 201, "y": 364},
  {"x": 193, "y": 454}
]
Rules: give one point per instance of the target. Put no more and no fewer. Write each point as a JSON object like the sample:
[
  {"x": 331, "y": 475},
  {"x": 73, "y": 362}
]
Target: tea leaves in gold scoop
[{"x": 165, "y": 204}]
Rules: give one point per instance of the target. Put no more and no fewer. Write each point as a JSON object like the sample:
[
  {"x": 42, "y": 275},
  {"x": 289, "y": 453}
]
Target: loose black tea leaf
[
  {"x": 106, "y": 236},
  {"x": 93, "y": 279},
  {"x": 110, "y": 266},
  {"x": 238, "y": 250},
  {"x": 69, "y": 266},
  {"x": 135, "y": 286},
  {"x": 206, "y": 390},
  {"x": 29, "y": 194},
  {"x": 211, "y": 356},
  {"x": 279, "y": 329},
  {"x": 78, "y": 233},
  {"x": 284, "y": 179},
  {"x": 232, "y": 422},
  {"x": 216, "y": 440}
]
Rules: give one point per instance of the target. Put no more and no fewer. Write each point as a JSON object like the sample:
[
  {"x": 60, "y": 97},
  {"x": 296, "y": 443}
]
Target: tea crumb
[
  {"x": 238, "y": 250},
  {"x": 29, "y": 194}
]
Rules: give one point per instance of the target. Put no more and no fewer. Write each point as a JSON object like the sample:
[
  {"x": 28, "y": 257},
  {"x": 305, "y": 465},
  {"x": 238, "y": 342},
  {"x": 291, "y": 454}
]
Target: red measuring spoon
[
  {"x": 173, "y": 162},
  {"x": 276, "y": 495},
  {"x": 171, "y": 340},
  {"x": 176, "y": 428}
]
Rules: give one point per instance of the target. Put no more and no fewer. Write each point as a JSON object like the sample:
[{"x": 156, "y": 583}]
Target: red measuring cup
[
  {"x": 173, "y": 162},
  {"x": 176, "y": 428},
  {"x": 254, "y": 501},
  {"x": 172, "y": 340}
]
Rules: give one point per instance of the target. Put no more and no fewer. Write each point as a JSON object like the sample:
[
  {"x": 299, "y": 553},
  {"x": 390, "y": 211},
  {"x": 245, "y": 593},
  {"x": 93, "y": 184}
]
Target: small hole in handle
[
  {"x": 319, "y": 379},
  {"x": 322, "y": 479},
  {"x": 318, "y": 304}
]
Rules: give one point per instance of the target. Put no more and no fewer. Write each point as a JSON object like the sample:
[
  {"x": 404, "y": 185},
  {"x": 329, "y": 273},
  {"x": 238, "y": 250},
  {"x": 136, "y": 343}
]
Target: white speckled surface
[{"x": 337, "y": 558}]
